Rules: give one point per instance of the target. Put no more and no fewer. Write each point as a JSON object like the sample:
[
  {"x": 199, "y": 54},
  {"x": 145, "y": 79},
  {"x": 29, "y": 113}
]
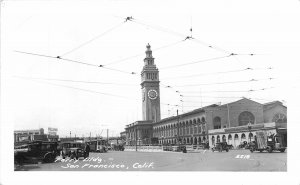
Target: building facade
[
  {"x": 243, "y": 119},
  {"x": 234, "y": 122},
  {"x": 188, "y": 128}
]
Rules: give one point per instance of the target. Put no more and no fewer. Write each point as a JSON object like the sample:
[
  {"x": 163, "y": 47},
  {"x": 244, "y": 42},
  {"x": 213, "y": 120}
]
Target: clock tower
[{"x": 150, "y": 88}]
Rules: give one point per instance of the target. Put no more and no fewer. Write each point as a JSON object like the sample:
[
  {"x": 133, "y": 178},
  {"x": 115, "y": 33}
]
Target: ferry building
[{"x": 234, "y": 122}]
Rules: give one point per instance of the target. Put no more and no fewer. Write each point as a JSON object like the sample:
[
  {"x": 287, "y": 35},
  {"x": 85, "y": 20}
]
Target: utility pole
[
  {"x": 228, "y": 116},
  {"x": 107, "y": 135},
  {"x": 136, "y": 139},
  {"x": 178, "y": 129}
]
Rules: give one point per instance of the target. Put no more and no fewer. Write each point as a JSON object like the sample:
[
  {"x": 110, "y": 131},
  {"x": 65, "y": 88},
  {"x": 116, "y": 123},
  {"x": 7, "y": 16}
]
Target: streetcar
[{"x": 99, "y": 145}]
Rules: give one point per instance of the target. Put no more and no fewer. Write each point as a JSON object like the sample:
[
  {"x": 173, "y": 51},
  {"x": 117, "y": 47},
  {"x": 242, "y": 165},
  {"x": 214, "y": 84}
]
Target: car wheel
[
  {"x": 269, "y": 150},
  {"x": 48, "y": 158}
]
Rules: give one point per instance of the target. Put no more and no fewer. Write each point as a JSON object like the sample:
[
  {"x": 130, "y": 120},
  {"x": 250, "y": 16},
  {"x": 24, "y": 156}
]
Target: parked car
[
  {"x": 181, "y": 148},
  {"x": 72, "y": 150},
  {"x": 205, "y": 145},
  {"x": 220, "y": 147},
  {"x": 36, "y": 151},
  {"x": 76, "y": 153},
  {"x": 242, "y": 144},
  {"x": 230, "y": 147}
]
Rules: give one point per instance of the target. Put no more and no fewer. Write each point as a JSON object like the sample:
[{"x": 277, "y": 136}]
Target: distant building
[
  {"x": 123, "y": 135},
  {"x": 23, "y": 136},
  {"x": 244, "y": 118},
  {"x": 27, "y": 135}
]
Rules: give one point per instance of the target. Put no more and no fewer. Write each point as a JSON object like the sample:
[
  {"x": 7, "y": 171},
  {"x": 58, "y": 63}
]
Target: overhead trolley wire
[
  {"x": 141, "y": 54},
  {"x": 76, "y": 61},
  {"x": 214, "y": 96},
  {"x": 160, "y": 28},
  {"x": 199, "y": 61},
  {"x": 213, "y": 73},
  {"x": 41, "y": 55},
  {"x": 91, "y": 40},
  {"x": 75, "y": 81},
  {"x": 230, "y": 82},
  {"x": 250, "y": 90},
  {"x": 76, "y": 88}
]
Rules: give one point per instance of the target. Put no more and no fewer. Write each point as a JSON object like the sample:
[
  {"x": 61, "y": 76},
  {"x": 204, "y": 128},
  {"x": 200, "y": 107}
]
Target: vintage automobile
[
  {"x": 204, "y": 145},
  {"x": 243, "y": 145},
  {"x": 180, "y": 148},
  {"x": 76, "y": 153},
  {"x": 72, "y": 150},
  {"x": 269, "y": 143},
  {"x": 220, "y": 147},
  {"x": 36, "y": 151}
]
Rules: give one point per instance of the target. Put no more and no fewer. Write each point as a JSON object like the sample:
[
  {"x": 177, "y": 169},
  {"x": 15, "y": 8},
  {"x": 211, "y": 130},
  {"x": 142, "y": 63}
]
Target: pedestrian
[{"x": 87, "y": 150}]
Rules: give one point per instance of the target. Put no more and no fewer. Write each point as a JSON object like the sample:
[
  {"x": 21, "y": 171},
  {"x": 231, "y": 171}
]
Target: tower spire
[{"x": 150, "y": 88}]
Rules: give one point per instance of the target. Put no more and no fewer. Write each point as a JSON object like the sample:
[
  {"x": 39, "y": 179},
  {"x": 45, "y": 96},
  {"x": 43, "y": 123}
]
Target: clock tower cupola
[{"x": 150, "y": 88}]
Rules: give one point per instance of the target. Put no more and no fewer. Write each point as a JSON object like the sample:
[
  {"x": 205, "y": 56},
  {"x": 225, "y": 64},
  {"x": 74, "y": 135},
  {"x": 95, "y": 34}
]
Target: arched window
[
  {"x": 217, "y": 122},
  {"x": 203, "y": 120},
  {"x": 223, "y": 138},
  {"x": 236, "y": 136},
  {"x": 199, "y": 129},
  {"x": 245, "y": 118},
  {"x": 218, "y": 139},
  {"x": 213, "y": 140},
  {"x": 279, "y": 118},
  {"x": 243, "y": 136},
  {"x": 229, "y": 137}
]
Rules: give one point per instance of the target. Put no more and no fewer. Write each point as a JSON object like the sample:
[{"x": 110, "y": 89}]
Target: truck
[
  {"x": 270, "y": 143},
  {"x": 35, "y": 151}
]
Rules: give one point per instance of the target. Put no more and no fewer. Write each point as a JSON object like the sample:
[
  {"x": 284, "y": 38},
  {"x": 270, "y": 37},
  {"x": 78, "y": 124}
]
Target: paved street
[{"x": 234, "y": 160}]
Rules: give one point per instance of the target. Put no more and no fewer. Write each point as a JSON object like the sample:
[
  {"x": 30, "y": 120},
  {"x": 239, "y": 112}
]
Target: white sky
[{"x": 266, "y": 28}]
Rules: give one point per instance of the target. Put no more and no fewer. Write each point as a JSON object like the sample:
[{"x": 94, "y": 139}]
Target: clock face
[{"x": 152, "y": 94}]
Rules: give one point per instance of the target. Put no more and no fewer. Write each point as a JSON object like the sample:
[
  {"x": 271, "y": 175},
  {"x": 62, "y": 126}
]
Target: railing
[{"x": 144, "y": 148}]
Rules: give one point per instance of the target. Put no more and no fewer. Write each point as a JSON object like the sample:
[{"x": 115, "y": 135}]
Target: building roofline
[
  {"x": 195, "y": 111},
  {"x": 272, "y": 103}
]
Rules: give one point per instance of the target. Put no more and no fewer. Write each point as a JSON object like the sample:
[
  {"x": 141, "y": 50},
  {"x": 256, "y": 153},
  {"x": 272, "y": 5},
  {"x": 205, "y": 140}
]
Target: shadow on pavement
[{"x": 26, "y": 167}]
